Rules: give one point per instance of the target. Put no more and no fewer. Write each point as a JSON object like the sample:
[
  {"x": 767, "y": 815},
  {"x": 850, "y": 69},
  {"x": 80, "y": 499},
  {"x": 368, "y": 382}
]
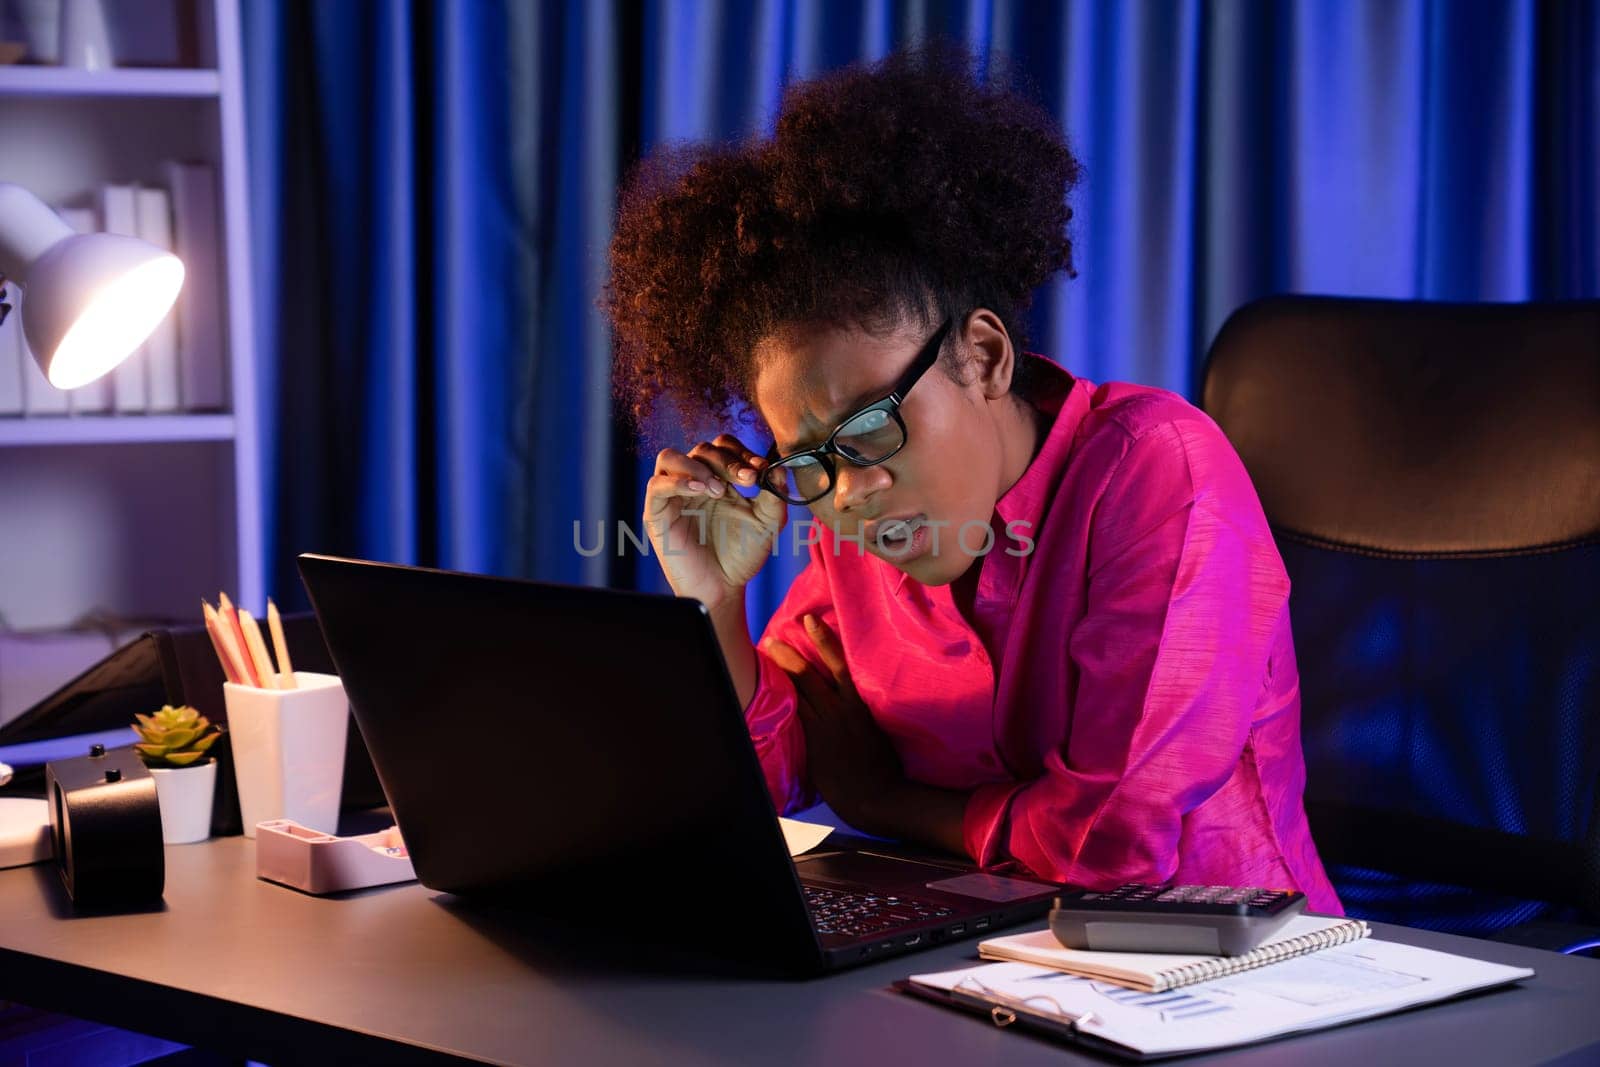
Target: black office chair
[{"x": 1432, "y": 475}]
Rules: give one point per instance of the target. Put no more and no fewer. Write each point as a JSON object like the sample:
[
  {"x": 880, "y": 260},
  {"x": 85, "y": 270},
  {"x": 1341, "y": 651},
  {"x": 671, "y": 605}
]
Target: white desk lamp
[{"x": 92, "y": 297}]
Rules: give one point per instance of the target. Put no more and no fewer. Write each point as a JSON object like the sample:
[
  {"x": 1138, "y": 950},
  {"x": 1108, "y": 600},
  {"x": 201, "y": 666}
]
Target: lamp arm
[{"x": 28, "y": 228}]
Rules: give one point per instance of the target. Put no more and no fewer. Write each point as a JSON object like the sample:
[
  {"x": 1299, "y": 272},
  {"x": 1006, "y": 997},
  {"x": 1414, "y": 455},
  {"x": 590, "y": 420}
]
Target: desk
[{"x": 403, "y": 974}]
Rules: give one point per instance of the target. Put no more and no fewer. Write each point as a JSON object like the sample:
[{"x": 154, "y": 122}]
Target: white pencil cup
[{"x": 288, "y": 750}]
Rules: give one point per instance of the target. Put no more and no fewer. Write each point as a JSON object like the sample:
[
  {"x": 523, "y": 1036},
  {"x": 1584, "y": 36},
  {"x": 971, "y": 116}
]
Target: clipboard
[
  {"x": 1007, "y": 1013},
  {"x": 1006, "y": 995}
]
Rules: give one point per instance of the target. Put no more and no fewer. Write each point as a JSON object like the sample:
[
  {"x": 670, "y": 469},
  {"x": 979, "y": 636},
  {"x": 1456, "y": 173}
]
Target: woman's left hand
[{"x": 850, "y": 760}]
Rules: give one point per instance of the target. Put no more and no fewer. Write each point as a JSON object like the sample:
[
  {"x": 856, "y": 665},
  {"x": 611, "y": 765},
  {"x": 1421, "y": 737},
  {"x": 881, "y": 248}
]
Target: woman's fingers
[
  {"x": 749, "y": 464},
  {"x": 671, "y": 461},
  {"x": 726, "y": 462},
  {"x": 812, "y": 688},
  {"x": 725, "y": 458},
  {"x": 729, "y": 456},
  {"x": 707, "y": 470},
  {"x": 831, "y": 650},
  {"x": 784, "y": 655},
  {"x": 705, "y": 478},
  {"x": 665, "y": 492}
]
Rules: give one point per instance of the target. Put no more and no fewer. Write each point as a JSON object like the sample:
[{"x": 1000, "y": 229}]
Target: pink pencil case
[{"x": 318, "y": 863}]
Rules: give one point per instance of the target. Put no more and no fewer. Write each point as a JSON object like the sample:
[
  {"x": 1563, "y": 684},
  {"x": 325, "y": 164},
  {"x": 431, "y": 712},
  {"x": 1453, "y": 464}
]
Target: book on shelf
[
  {"x": 119, "y": 213},
  {"x": 153, "y": 215},
  {"x": 1155, "y": 972},
  {"x": 94, "y": 398},
  {"x": 197, "y": 239},
  {"x": 11, "y": 357}
]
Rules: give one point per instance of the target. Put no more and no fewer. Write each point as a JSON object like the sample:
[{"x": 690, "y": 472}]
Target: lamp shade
[{"x": 92, "y": 298}]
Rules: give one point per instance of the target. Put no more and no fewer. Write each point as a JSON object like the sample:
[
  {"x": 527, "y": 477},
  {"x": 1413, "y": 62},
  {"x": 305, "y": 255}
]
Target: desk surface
[{"x": 404, "y": 974}]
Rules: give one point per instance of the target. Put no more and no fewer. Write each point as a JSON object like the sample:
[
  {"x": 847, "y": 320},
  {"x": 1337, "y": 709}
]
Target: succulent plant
[{"x": 174, "y": 737}]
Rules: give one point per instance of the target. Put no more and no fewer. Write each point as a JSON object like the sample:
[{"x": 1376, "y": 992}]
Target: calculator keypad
[
  {"x": 1212, "y": 920},
  {"x": 1137, "y": 893}
]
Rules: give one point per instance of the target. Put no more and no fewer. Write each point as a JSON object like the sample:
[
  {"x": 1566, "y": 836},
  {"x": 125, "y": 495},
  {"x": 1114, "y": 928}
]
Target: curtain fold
[
  {"x": 472, "y": 217},
  {"x": 568, "y": 430},
  {"x": 434, "y": 182}
]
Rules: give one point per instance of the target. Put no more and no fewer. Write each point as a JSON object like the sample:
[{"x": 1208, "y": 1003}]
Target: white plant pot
[
  {"x": 184, "y": 796},
  {"x": 288, "y": 750}
]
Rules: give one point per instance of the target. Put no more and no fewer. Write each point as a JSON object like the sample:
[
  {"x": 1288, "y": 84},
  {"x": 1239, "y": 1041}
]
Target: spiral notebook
[{"x": 1157, "y": 972}]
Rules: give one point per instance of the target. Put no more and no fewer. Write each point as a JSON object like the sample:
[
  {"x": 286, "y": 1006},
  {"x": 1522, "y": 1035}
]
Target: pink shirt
[{"x": 1128, "y": 708}]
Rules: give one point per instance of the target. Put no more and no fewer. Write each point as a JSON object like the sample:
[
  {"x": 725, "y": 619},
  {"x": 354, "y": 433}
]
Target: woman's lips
[{"x": 899, "y": 540}]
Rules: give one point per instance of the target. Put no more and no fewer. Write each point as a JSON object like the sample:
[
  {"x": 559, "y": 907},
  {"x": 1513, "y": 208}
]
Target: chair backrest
[{"x": 1432, "y": 474}]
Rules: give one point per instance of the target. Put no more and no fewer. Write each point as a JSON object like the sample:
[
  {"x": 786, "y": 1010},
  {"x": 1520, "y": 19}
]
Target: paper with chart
[{"x": 1339, "y": 984}]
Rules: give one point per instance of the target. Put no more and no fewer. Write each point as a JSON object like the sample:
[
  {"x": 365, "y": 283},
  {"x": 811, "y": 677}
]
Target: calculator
[{"x": 1210, "y": 920}]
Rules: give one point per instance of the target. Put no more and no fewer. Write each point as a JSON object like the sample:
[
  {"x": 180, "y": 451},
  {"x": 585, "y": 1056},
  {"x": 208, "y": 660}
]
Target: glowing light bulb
[{"x": 116, "y": 319}]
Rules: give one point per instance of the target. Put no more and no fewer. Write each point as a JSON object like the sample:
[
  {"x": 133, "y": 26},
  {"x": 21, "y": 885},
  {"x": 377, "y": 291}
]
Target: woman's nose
[{"x": 856, "y": 485}]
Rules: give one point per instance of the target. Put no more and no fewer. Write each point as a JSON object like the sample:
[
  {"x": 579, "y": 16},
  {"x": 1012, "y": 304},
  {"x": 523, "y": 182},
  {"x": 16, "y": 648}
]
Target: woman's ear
[{"x": 991, "y": 359}]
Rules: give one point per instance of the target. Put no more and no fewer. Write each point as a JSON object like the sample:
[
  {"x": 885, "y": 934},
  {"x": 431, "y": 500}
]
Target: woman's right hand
[{"x": 711, "y": 555}]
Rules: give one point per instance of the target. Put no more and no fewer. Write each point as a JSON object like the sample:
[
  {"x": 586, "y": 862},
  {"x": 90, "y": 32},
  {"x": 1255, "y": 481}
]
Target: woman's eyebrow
[
  {"x": 805, "y": 442},
  {"x": 823, "y": 428}
]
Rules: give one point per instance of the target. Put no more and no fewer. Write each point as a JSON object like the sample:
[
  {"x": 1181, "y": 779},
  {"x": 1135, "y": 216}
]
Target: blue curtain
[{"x": 433, "y": 186}]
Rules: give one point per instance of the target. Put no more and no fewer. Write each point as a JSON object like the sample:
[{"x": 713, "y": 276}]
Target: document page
[
  {"x": 1353, "y": 981},
  {"x": 802, "y": 836}
]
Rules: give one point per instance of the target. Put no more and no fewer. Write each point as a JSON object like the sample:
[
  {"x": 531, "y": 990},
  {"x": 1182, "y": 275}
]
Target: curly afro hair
[{"x": 907, "y": 189}]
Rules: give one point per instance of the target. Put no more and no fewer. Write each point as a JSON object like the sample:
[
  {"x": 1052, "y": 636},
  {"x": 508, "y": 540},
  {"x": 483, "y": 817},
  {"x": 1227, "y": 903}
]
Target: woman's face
[{"x": 952, "y": 468}]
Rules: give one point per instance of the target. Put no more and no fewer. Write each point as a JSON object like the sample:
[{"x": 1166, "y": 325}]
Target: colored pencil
[
  {"x": 233, "y": 655},
  {"x": 258, "y": 651},
  {"x": 231, "y": 618},
  {"x": 214, "y": 628},
  {"x": 281, "y": 647}
]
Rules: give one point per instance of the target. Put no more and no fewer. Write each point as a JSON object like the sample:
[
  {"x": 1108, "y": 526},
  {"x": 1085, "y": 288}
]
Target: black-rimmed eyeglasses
[{"x": 867, "y": 438}]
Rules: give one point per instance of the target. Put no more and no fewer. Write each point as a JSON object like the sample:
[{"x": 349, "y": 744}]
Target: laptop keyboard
[{"x": 847, "y": 914}]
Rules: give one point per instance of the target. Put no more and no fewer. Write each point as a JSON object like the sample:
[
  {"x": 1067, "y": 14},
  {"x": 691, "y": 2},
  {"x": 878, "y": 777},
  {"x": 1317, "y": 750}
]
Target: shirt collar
[{"x": 1065, "y": 399}]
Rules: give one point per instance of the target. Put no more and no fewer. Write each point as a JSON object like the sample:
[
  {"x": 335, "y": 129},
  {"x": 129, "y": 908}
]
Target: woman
[{"x": 1043, "y": 620}]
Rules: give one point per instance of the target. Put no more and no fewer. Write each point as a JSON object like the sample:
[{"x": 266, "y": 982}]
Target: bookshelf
[
  {"x": 114, "y": 429},
  {"x": 134, "y": 515},
  {"x": 59, "y": 81}
]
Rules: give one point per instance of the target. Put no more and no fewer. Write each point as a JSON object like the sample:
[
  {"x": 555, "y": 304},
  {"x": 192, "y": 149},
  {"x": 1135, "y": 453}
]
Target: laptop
[{"x": 582, "y": 753}]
